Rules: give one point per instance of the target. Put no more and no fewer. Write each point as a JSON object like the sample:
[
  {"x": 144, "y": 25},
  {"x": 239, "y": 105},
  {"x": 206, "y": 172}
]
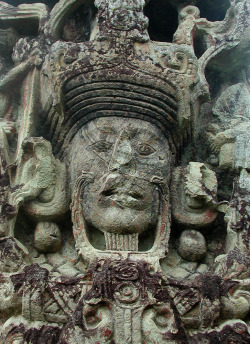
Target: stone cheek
[{"x": 124, "y": 172}]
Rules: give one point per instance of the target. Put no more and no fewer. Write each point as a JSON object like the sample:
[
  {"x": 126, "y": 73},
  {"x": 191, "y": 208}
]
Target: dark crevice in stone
[
  {"x": 96, "y": 238},
  {"x": 49, "y": 3},
  {"x": 146, "y": 240},
  {"x": 225, "y": 185},
  {"x": 77, "y": 26},
  {"x": 218, "y": 78},
  {"x": 213, "y": 10},
  {"x": 163, "y": 20},
  {"x": 199, "y": 44},
  {"x": 27, "y": 27}
]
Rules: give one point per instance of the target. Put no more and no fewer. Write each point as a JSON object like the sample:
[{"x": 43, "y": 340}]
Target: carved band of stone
[
  {"x": 130, "y": 97},
  {"x": 119, "y": 242}
]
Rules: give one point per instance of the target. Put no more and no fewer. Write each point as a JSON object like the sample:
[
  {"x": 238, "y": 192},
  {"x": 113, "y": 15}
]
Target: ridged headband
[{"x": 118, "y": 92}]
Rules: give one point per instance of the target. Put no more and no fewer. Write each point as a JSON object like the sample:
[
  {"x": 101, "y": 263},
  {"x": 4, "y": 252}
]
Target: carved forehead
[{"x": 114, "y": 126}]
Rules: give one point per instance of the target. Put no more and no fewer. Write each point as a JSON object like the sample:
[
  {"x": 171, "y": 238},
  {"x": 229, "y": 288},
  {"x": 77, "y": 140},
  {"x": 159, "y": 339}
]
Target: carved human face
[{"x": 127, "y": 158}]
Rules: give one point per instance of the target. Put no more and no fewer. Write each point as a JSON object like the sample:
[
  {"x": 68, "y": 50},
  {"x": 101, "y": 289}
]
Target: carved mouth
[
  {"x": 117, "y": 188},
  {"x": 120, "y": 192}
]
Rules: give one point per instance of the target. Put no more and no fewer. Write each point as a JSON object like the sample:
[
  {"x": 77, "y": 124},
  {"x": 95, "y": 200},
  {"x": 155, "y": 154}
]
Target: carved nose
[{"x": 122, "y": 160}]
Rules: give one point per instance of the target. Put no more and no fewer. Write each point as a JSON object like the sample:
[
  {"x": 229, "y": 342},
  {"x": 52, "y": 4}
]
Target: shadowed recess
[
  {"x": 213, "y": 10},
  {"x": 77, "y": 26},
  {"x": 49, "y": 3},
  {"x": 163, "y": 20}
]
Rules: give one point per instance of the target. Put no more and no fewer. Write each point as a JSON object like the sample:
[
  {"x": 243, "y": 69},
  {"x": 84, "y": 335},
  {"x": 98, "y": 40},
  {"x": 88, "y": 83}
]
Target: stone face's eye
[
  {"x": 101, "y": 146},
  {"x": 144, "y": 149}
]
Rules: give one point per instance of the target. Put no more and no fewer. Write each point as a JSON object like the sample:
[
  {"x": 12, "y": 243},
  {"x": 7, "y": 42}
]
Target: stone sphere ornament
[
  {"x": 47, "y": 237},
  {"x": 192, "y": 246}
]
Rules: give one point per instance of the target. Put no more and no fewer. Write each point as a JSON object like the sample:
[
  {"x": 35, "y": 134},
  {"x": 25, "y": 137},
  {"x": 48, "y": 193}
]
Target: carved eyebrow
[
  {"x": 105, "y": 129},
  {"x": 148, "y": 136},
  {"x": 151, "y": 140},
  {"x": 152, "y": 136},
  {"x": 94, "y": 134}
]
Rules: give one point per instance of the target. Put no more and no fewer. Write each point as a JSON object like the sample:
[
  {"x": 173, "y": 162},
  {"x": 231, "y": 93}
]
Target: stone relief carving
[{"x": 124, "y": 166}]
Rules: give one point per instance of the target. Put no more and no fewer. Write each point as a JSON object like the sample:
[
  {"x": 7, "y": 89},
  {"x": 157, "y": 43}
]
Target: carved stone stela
[{"x": 124, "y": 172}]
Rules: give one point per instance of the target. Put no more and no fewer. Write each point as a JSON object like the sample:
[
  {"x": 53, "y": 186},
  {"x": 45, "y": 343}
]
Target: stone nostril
[{"x": 113, "y": 167}]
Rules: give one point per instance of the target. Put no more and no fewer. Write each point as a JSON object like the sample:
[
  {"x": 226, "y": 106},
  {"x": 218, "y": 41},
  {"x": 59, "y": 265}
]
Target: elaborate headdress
[{"x": 119, "y": 72}]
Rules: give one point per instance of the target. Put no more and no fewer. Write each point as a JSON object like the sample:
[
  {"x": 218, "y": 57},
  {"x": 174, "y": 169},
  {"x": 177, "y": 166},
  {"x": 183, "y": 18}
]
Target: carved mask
[{"x": 127, "y": 158}]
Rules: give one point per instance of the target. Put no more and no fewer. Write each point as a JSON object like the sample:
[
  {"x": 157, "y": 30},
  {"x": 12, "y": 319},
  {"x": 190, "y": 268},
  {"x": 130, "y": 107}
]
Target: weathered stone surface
[
  {"x": 192, "y": 246},
  {"x": 124, "y": 172}
]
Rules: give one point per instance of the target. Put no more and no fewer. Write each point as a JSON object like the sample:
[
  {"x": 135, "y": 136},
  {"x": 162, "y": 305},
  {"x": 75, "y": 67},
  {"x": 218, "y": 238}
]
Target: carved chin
[
  {"x": 122, "y": 205},
  {"x": 122, "y": 221}
]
